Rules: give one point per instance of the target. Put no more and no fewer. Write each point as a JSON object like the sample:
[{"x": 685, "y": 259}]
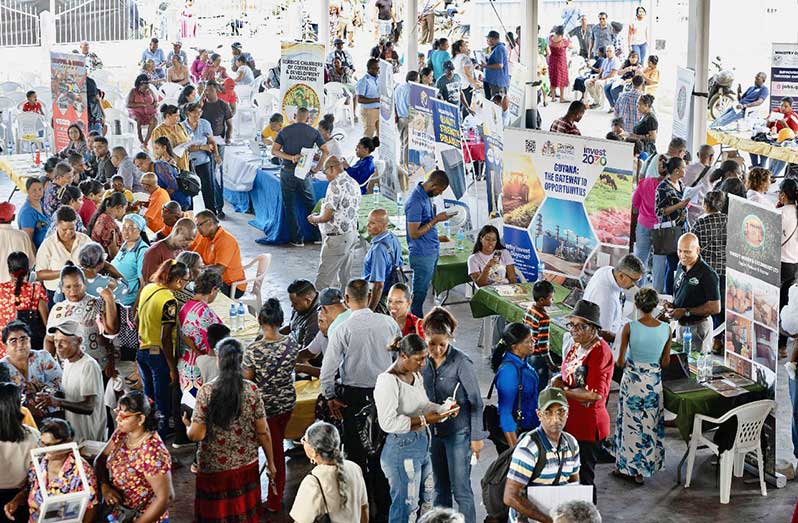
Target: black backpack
[{"x": 496, "y": 476}]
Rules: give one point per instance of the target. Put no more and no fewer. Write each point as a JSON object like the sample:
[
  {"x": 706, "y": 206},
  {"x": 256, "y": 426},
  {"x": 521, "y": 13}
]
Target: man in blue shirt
[
  {"x": 382, "y": 258},
  {"x": 177, "y": 50},
  {"x": 368, "y": 96},
  {"x": 601, "y": 35},
  {"x": 752, "y": 97},
  {"x": 497, "y": 74},
  {"x": 154, "y": 53},
  {"x": 401, "y": 100},
  {"x": 422, "y": 236}
]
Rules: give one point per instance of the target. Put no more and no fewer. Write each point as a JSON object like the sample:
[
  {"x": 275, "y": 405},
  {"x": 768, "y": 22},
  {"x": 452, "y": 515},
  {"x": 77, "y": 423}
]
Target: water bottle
[
  {"x": 112, "y": 519},
  {"x": 263, "y": 158},
  {"x": 241, "y": 313},
  {"x": 446, "y": 229},
  {"x": 541, "y": 271},
  {"x": 687, "y": 347},
  {"x": 400, "y": 205},
  {"x": 460, "y": 240},
  {"x": 376, "y": 192},
  {"x": 233, "y": 314}
]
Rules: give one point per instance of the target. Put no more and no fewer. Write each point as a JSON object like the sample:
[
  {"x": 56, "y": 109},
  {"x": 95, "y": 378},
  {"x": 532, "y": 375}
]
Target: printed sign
[
  {"x": 784, "y": 74},
  {"x": 302, "y": 80},
  {"x": 683, "y": 102},
  {"x": 70, "y": 105}
]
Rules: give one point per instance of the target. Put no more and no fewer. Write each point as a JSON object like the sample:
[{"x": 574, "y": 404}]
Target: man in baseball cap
[{"x": 332, "y": 312}]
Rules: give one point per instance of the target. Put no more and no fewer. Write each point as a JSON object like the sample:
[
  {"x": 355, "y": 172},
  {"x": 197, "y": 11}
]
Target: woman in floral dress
[
  {"x": 195, "y": 318},
  {"x": 18, "y": 294},
  {"x": 640, "y": 426}
]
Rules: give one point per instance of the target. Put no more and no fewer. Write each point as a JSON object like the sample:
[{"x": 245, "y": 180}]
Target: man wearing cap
[
  {"x": 154, "y": 53},
  {"x": 607, "y": 288},
  {"x": 696, "y": 293},
  {"x": 81, "y": 394},
  {"x": 449, "y": 86},
  {"x": 177, "y": 50},
  {"x": 236, "y": 49},
  {"x": 343, "y": 55},
  {"x": 497, "y": 73},
  {"x": 382, "y": 259},
  {"x": 561, "y": 454},
  {"x": 12, "y": 240},
  {"x": 332, "y": 312},
  {"x": 368, "y": 96},
  {"x": 337, "y": 222}
]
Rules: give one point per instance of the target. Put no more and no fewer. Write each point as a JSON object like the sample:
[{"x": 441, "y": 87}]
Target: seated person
[
  {"x": 32, "y": 104},
  {"x": 304, "y": 322},
  {"x": 118, "y": 185},
  {"x": 270, "y": 131},
  {"x": 754, "y": 96},
  {"x": 170, "y": 213},
  {"x": 158, "y": 198},
  {"x": 364, "y": 167},
  {"x": 219, "y": 250},
  {"x": 490, "y": 263}
]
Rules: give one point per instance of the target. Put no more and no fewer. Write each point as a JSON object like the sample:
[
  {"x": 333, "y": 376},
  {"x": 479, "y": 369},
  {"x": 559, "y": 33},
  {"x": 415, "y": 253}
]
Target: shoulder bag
[
  {"x": 33, "y": 320},
  {"x": 665, "y": 237},
  {"x": 322, "y": 518},
  {"x": 490, "y": 413}
]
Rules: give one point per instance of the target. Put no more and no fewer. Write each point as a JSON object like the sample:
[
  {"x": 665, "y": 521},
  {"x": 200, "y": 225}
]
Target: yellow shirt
[
  {"x": 177, "y": 136},
  {"x": 268, "y": 134},
  {"x": 652, "y": 75},
  {"x": 157, "y": 307},
  {"x": 126, "y": 192}
]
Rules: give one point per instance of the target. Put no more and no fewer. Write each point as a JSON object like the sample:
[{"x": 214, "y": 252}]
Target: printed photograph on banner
[
  {"x": 302, "y": 80},
  {"x": 739, "y": 335},
  {"x": 766, "y": 305},
  {"x": 754, "y": 240},
  {"x": 739, "y": 365},
  {"x": 562, "y": 236},
  {"x": 522, "y": 192},
  {"x": 518, "y": 242},
  {"x": 421, "y": 133},
  {"x": 68, "y": 85},
  {"x": 608, "y": 206},
  {"x": 739, "y": 294},
  {"x": 766, "y": 345}
]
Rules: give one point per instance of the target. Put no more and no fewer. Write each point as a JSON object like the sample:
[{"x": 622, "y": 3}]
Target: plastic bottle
[
  {"x": 233, "y": 317},
  {"x": 263, "y": 158},
  {"x": 400, "y": 204},
  {"x": 447, "y": 230},
  {"x": 376, "y": 192},
  {"x": 241, "y": 314},
  {"x": 112, "y": 519},
  {"x": 687, "y": 347},
  {"x": 460, "y": 240},
  {"x": 541, "y": 271}
]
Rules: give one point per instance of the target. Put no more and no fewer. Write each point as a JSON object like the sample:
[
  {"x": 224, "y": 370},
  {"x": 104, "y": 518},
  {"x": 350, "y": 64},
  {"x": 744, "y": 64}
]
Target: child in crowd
[
  {"x": 270, "y": 131},
  {"x": 92, "y": 197},
  {"x": 207, "y": 362},
  {"x": 617, "y": 128},
  {"x": 538, "y": 320},
  {"x": 32, "y": 105},
  {"x": 118, "y": 185}
]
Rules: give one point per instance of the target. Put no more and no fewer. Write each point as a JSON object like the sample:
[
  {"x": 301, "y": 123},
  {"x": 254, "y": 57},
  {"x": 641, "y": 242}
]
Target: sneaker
[
  {"x": 221, "y": 215},
  {"x": 182, "y": 441},
  {"x": 300, "y": 243}
]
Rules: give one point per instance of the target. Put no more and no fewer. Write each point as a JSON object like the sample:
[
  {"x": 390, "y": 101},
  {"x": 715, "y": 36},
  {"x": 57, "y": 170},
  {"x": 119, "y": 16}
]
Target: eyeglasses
[
  {"x": 633, "y": 279},
  {"x": 560, "y": 413},
  {"x": 21, "y": 340},
  {"x": 576, "y": 326},
  {"x": 125, "y": 414}
]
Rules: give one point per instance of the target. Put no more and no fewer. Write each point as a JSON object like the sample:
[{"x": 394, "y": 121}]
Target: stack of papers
[
  {"x": 725, "y": 388},
  {"x": 510, "y": 290}
]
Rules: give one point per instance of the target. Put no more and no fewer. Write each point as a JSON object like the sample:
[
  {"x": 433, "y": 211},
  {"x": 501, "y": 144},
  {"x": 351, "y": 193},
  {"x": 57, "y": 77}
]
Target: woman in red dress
[{"x": 558, "y": 63}]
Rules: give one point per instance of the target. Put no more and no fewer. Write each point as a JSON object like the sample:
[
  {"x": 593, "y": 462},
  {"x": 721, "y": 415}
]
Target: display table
[
  {"x": 742, "y": 142},
  {"x": 221, "y": 306},
  {"x": 18, "y": 168}
]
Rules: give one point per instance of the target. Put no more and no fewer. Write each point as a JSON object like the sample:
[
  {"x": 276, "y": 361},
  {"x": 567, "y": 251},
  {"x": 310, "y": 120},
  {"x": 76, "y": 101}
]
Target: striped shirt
[
  {"x": 525, "y": 456},
  {"x": 538, "y": 320}
]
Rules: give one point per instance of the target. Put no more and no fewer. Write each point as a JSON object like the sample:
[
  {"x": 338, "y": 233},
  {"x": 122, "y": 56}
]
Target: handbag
[
  {"x": 665, "y": 237},
  {"x": 33, "y": 320},
  {"x": 371, "y": 436},
  {"x": 322, "y": 518},
  {"x": 188, "y": 183}
]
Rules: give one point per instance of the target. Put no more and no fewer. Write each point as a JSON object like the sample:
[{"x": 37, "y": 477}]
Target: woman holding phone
[{"x": 490, "y": 263}]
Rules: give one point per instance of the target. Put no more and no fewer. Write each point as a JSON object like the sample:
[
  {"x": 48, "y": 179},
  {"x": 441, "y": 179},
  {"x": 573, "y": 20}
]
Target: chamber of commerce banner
[
  {"x": 302, "y": 80},
  {"x": 493, "y": 138},
  {"x": 753, "y": 278},
  {"x": 784, "y": 74},
  {"x": 566, "y": 201},
  {"x": 389, "y": 135},
  {"x": 421, "y": 133},
  {"x": 683, "y": 101},
  {"x": 68, "y": 85}
]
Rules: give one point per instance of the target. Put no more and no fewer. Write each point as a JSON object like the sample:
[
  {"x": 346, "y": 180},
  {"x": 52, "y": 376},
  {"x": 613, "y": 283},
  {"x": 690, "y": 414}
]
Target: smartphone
[{"x": 451, "y": 212}]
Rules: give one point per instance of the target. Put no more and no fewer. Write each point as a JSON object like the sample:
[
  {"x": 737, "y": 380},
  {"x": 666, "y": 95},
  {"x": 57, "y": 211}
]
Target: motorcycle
[{"x": 720, "y": 95}]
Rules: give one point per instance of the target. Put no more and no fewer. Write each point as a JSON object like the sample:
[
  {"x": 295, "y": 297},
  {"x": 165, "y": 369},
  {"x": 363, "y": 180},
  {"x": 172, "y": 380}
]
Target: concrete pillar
[
  {"x": 324, "y": 24},
  {"x": 529, "y": 57},
  {"x": 698, "y": 61},
  {"x": 411, "y": 34}
]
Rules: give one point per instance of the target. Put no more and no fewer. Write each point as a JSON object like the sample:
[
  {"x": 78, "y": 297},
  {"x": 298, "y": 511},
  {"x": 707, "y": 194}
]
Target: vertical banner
[
  {"x": 449, "y": 144},
  {"x": 302, "y": 80},
  {"x": 389, "y": 136},
  {"x": 421, "y": 133},
  {"x": 68, "y": 85},
  {"x": 753, "y": 278},
  {"x": 683, "y": 101},
  {"x": 493, "y": 137},
  {"x": 784, "y": 74},
  {"x": 566, "y": 201},
  {"x": 516, "y": 95}
]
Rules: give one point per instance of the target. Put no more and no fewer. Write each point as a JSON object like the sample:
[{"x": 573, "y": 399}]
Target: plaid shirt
[
  {"x": 626, "y": 108},
  {"x": 711, "y": 232},
  {"x": 561, "y": 125}
]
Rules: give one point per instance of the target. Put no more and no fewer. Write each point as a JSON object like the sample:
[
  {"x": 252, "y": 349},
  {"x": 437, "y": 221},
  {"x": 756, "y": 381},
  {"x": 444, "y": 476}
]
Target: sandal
[{"x": 639, "y": 480}]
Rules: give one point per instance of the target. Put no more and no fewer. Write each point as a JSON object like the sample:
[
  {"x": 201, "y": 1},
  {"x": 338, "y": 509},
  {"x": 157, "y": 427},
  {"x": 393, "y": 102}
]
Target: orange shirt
[
  {"x": 222, "y": 250},
  {"x": 153, "y": 213}
]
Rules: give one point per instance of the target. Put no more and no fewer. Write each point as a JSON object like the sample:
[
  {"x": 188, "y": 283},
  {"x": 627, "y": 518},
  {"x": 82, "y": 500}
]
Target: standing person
[
  {"x": 539, "y": 321},
  {"x": 135, "y": 468},
  {"x": 23, "y": 299},
  {"x": 129, "y": 261},
  {"x": 337, "y": 222},
  {"x": 645, "y": 349},
  {"x": 697, "y": 175},
  {"x": 600, "y": 36},
  {"x": 464, "y": 68},
  {"x": 219, "y": 114},
  {"x": 194, "y": 319},
  {"x": 12, "y": 239},
  {"x": 497, "y": 75},
  {"x": 202, "y": 153},
  {"x": 758, "y": 183},
  {"x": 142, "y": 106},
  {"x": 427, "y": 17},
  {"x": 335, "y": 486},
  {"x": 404, "y": 414},
  {"x": 644, "y": 205},
  {"x": 626, "y": 105},
  {"x": 558, "y": 62},
  {"x": 584, "y": 35},
  {"x": 368, "y": 96},
  {"x": 711, "y": 231},
  {"x": 567, "y": 123},
  {"x": 605, "y": 289},
  {"x": 422, "y": 234},
  {"x": 450, "y": 373},
  {"x": 229, "y": 413},
  {"x": 438, "y": 57},
  {"x": 788, "y": 203},
  {"x": 401, "y": 100},
  {"x": 31, "y": 218},
  {"x": 585, "y": 378},
  {"x": 382, "y": 260},
  {"x": 269, "y": 364},
  {"x": 353, "y": 352},
  {"x": 516, "y": 384},
  {"x": 399, "y": 299},
  {"x": 638, "y": 33},
  {"x": 671, "y": 209},
  {"x": 645, "y": 130},
  {"x": 16, "y": 442},
  {"x": 288, "y": 147}
]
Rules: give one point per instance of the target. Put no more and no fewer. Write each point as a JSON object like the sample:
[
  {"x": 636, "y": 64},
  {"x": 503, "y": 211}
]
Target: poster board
[
  {"x": 389, "y": 134},
  {"x": 683, "y": 101},
  {"x": 302, "y": 80},
  {"x": 449, "y": 144},
  {"x": 784, "y": 74},
  {"x": 493, "y": 138},
  {"x": 70, "y": 103},
  {"x": 753, "y": 278},
  {"x": 516, "y": 96},
  {"x": 566, "y": 201},
  {"x": 421, "y": 133}
]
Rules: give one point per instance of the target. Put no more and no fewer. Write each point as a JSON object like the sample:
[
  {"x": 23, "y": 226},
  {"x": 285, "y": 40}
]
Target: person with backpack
[
  {"x": 382, "y": 266},
  {"x": 516, "y": 383},
  {"x": 546, "y": 456}
]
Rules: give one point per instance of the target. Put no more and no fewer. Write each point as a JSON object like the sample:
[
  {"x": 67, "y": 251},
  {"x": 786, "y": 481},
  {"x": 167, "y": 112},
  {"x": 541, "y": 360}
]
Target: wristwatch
[{"x": 686, "y": 312}]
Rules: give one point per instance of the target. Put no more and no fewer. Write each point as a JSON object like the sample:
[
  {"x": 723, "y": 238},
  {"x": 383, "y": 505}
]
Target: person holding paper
[
  {"x": 671, "y": 208},
  {"x": 561, "y": 455},
  {"x": 171, "y": 128},
  {"x": 288, "y": 146},
  {"x": 203, "y": 154},
  {"x": 158, "y": 198}
]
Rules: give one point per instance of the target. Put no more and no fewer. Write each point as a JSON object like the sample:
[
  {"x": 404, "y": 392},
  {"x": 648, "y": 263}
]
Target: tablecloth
[
  {"x": 221, "y": 306},
  {"x": 474, "y": 151},
  {"x": 20, "y": 167},
  {"x": 304, "y": 413},
  {"x": 743, "y": 142},
  {"x": 239, "y": 167}
]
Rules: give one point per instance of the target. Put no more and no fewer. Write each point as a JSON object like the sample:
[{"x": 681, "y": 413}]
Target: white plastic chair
[
  {"x": 10, "y": 87},
  {"x": 30, "y": 129},
  {"x": 750, "y": 419},
  {"x": 121, "y": 130},
  {"x": 338, "y": 102},
  {"x": 244, "y": 110},
  {"x": 267, "y": 104},
  {"x": 252, "y": 296},
  {"x": 170, "y": 92}
]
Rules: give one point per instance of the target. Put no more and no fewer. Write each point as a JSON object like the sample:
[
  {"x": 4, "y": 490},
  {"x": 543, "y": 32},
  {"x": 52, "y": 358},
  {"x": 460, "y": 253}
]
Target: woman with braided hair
[{"x": 335, "y": 486}]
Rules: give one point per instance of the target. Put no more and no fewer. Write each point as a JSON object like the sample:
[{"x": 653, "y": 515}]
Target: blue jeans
[
  {"x": 794, "y": 402},
  {"x": 776, "y": 166},
  {"x": 642, "y": 243},
  {"x": 612, "y": 93},
  {"x": 293, "y": 188},
  {"x": 659, "y": 268},
  {"x": 641, "y": 51},
  {"x": 406, "y": 463},
  {"x": 730, "y": 116},
  {"x": 423, "y": 270},
  {"x": 451, "y": 468},
  {"x": 154, "y": 372},
  {"x": 672, "y": 263}
]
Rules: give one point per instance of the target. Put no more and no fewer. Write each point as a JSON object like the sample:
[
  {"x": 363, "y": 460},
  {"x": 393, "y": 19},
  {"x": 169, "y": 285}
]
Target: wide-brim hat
[{"x": 588, "y": 312}]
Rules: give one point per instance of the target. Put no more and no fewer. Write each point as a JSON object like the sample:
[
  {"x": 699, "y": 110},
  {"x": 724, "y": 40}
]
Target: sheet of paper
[
  {"x": 689, "y": 192},
  {"x": 305, "y": 163},
  {"x": 182, "y": 148},
  {"x": 188, "y": 400},
  {"x": 548, "y": 498}
]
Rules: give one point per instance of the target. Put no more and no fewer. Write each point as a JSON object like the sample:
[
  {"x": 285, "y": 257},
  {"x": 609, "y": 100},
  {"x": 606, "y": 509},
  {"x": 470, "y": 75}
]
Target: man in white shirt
[
  {"x": 81, "y": 394},
  {"x": 698, "y": 174},
  {"x": 12, "y": 240},
  {"x": 606, "y": 289}
]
